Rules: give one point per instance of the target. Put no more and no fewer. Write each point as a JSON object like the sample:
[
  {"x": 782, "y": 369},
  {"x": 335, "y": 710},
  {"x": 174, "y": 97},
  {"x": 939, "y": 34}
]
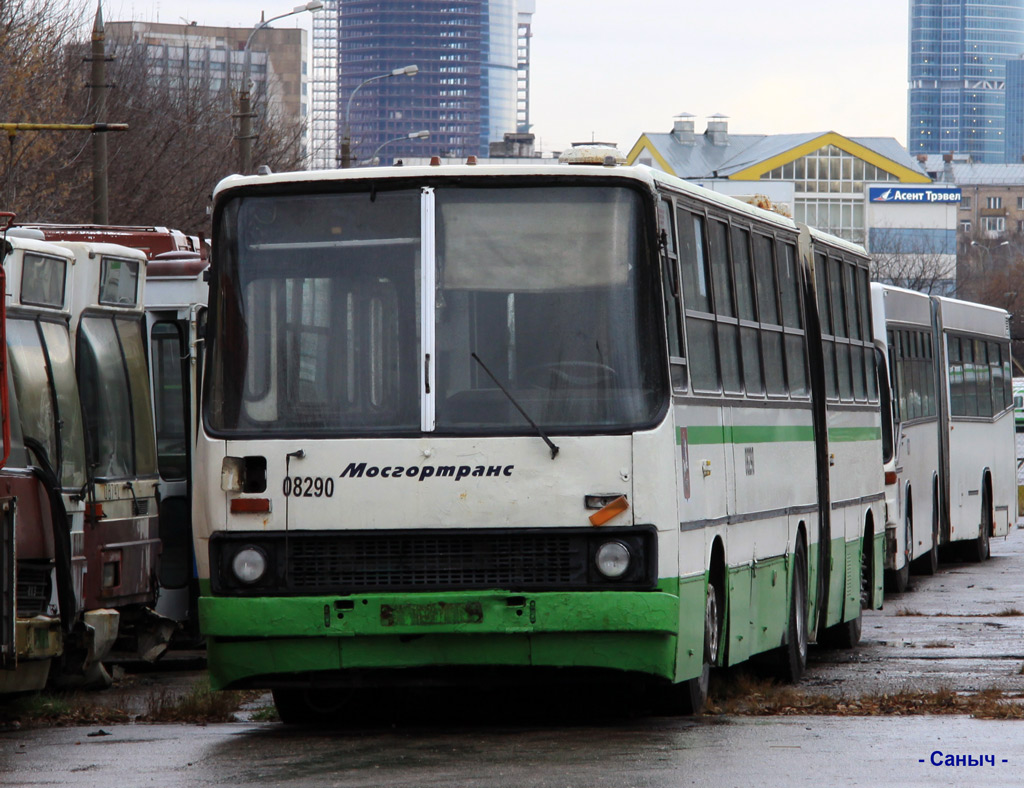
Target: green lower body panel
[
  {"x": 759, "y": 595},
  {"x": 256, "y": 641}
]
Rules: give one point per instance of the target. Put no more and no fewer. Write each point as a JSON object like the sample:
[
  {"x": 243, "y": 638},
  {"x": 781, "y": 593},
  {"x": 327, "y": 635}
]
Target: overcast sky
[{"x": 611, "y": 70}]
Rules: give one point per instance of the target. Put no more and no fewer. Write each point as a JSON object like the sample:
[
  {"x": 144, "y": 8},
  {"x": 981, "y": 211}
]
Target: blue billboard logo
[{"x": 918, "y": 195}]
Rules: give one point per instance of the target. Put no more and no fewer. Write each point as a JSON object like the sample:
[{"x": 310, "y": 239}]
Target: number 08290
[{"x": 308, "y": 486}]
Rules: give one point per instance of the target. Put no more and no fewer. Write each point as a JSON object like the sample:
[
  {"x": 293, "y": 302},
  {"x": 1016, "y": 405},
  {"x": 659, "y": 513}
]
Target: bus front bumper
[{"x": 255, "y": 641}]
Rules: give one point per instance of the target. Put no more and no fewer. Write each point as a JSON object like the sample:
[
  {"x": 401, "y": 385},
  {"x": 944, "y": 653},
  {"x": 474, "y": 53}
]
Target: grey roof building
[{"x": 826, "y": 174}]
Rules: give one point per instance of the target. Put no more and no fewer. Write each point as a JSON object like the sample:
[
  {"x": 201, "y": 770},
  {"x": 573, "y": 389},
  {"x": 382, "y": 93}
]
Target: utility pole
[{"x": 98, "y": 102}]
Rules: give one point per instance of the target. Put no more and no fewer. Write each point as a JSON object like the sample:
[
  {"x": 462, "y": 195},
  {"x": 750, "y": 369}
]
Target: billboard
[{"x": 914, "y": 195}]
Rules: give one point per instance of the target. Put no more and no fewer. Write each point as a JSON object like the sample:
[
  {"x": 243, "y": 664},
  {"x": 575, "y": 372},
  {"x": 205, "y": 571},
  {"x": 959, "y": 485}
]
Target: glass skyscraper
[
  {"x": 958, "y": 55},
  {"x": 466, "y": 92}
]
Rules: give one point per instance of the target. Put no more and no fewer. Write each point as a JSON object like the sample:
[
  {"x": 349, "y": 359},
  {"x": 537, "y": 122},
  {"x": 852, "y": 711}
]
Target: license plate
[{"x": 415, "y": 615}]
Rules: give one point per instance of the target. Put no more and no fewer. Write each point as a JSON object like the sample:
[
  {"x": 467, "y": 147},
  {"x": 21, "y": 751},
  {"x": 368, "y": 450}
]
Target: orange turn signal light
[
  {"x": 250, "y": 505},
  {"x": 890, "y": 477},
  {"x": 609, "y": 510}
]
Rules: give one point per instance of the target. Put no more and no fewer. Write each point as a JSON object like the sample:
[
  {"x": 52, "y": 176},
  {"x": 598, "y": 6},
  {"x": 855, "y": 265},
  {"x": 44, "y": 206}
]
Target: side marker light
[{"x": 610, "y": 510}]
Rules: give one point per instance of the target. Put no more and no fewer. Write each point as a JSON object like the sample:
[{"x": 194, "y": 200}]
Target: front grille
[
  {"x": 140, "y": 507},
  {"x": 350, "y": 562},
  {"x": 389, "y": 561},
  {"x": 33, "y": 588}
]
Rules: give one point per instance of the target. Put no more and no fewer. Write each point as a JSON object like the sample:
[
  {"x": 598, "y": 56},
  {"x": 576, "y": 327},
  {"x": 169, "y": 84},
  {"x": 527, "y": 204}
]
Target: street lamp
[
  {"x": 985, "y": 249},
  {"x": 412, "y": 135},
  {"x": 244, "y": 104},
  {"x": 346, "y": 140}
]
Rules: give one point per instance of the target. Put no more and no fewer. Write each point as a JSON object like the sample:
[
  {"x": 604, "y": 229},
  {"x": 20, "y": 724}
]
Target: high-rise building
[
  {"x": 958, "y": 55},
  {"x": 183, "y": 57},
  {"x": 471, "y": 87},
  {"x": 1015, "y": 110}
]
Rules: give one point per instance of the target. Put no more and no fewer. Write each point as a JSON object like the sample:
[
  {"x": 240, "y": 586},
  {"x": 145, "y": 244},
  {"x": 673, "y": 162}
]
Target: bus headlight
[
  {"x": 612, "y": 559},
  {"x": 249, "y": 565}
]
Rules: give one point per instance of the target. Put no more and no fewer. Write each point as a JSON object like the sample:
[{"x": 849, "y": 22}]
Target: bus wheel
[
  {"x": 897, "y": 580},
  {"x": 309, "y": 706},
  {"x": 792, "y": 656},
  {"x": 928, "y": 564},
  {"x": 688, "y": 697},
  {"x": 979, "y": 549}
]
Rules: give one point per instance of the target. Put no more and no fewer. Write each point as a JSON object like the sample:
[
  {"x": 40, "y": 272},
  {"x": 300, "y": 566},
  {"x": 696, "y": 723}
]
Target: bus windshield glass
[
  {"x": 113, "y": 382},
  {"x": 44, "y": 383},
  {"x": 548, "y": 291}
]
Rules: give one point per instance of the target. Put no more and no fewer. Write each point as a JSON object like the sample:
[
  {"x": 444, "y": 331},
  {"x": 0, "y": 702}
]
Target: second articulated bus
[
  {"x": 950, "y": 467},
  {"x": 464, "y": 421}
]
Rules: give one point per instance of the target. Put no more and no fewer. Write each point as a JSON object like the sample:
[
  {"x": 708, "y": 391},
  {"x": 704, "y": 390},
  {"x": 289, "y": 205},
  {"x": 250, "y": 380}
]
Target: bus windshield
[
  {"x": 549, "y": 291},
  {"x": 113, "y": 381},
  {"x": 44, "y": 383}
]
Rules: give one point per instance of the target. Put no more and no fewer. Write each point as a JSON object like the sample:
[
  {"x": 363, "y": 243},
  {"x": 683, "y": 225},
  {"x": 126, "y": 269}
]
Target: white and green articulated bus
[
  {"x": 905, "y": 336},
  {"x": 977, "y": 443},
  {"x": 950, "y": 466},
  {"x": 465, "y": 422}
]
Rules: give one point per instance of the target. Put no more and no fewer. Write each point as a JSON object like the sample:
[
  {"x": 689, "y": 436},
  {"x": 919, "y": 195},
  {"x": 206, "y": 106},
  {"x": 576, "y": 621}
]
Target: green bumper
[{"x": 255, "y": 642}]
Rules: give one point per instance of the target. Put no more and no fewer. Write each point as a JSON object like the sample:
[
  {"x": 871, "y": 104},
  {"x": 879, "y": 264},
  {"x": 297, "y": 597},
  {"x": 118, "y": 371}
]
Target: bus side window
[
  {"x": 996, "y": 377},
  {"x": 671, "y": 295},
  {"x": 828, "y": 346},
  {"x": 970, "y": 377},
  {"x": 722, "y": 289},
  {"x": 750, "y": 350},
  {"x": 837, "y": 285},
  {"x": 1007, "y": 375},
  {"x": 890, "y": 337},
  {"x": 955, "y": 372},
  {"x": 853, "y": 313},
  {"x": 789, "y": 290},
  {"x": 864, "y": 314},
  {"x": 700, "y": 328},
  {"x": 984, "y": 377},
  {"x": 768, "y": 309}
]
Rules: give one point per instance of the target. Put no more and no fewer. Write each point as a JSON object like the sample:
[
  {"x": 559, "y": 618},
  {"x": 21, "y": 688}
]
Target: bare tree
[
  {"x": 991, "y": 271},
  {"x": 180, "y": 141},
  {"x": 37, "y": 75},
  {"x": 916, "y": 262}
]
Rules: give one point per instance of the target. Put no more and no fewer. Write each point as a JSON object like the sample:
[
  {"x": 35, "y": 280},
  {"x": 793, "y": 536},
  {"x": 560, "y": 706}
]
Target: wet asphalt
[{"x": 961, "y": 630}]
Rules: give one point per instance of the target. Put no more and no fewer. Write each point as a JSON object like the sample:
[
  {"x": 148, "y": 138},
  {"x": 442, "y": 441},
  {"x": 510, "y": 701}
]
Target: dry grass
[
  {"x": 1009, "y": 612},
  {"x": 906, "y": 611},
  {"x": 60, "y": 709},
  {"x": 199, "y": 705},
  {"x": 752, "y": 696},
  {"x": 937, "y": 644}
]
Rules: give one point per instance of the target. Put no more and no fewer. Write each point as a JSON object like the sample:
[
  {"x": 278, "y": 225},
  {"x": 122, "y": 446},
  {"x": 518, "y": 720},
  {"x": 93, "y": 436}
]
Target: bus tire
[
  {"x": 928, "y": 564},
  {"x": 897, "y": 580},
  {"x": 310, "y": 707},
  {"x": 791, "y": 658},
  {"x": 979, "y": 549},
  {"x": 688, "y": 697}
]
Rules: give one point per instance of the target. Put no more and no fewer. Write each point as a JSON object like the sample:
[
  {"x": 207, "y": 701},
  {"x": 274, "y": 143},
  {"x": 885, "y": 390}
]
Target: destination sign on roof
[{"x": 919, "y": 195}]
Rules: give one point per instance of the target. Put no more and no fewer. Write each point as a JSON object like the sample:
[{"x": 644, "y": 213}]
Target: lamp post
[
  {"x": 244, "y": 102},
  {"x": 985, "y": 249},
  {"x": 412, "y": 135},
  {"x": 346, "y": 140}
]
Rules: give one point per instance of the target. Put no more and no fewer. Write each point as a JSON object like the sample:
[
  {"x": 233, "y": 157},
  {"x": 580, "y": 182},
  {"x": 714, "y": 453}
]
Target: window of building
[
  {"x": 995, "y": 224},
  {"x": 994, "y": 203},
  {"x": 965, "y": 202},
  {"x": 965, "y": 226}
]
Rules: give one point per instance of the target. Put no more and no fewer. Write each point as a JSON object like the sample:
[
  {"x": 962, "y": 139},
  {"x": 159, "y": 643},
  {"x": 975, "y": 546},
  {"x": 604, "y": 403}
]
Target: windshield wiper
[{"x": 505, "y": 391}]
